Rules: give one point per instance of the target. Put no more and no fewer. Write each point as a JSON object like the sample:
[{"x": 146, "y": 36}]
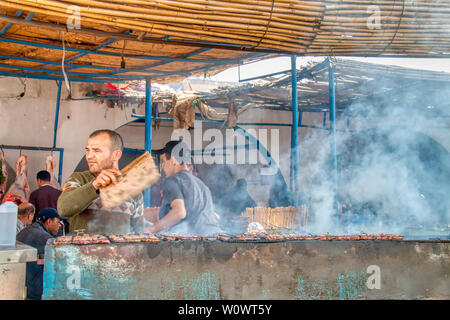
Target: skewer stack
[{"x": 280, "y": 217}]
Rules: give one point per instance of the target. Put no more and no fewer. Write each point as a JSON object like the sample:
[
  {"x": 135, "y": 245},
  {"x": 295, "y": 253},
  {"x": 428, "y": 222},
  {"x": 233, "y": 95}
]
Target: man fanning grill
[{"x": 80, "y": 198}]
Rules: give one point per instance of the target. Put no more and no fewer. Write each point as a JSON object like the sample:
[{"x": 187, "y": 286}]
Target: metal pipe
[
  {"x": 60, "y": 150},
  {"x": 148, "y": 131},
  {"x": 61, "y": 157},
  {"x": 114, "y": 54},
  {"x": 221, "y": 122},
  {"x": 58, "y": 63},
  {"x": 99, "y": 75},
  {"x": 16, "y": 147},
  {"x": 37, "y": 76},
  {"x": 333, "y": 132},
  {"x": 130, "y": 150},
  {"x": 294, "y": 130},
  {"x": 58, "y": 101},
  {"x": 260, "y": 123},
  {"x": 98, "y": 98},
  {"x": 265, "y": 76},
  {"x": 166, "y": 62},
  {"x": 9, "y": 25}
]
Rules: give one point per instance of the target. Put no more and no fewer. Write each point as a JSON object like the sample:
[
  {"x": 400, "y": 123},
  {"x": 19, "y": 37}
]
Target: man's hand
[
  {"x": 175, "y": 215},
  {"x": 106, "y": 177}
]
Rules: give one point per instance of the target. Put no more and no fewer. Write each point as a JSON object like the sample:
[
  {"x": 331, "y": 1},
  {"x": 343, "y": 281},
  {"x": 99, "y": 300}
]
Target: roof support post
[
  {"x": 148, "y": 130},
  {"x": 58, "y": 102},
  {"x": 331, "y": 84},
  {"x": 61, "y": 157},
  {"x": 294, "y": 161}
]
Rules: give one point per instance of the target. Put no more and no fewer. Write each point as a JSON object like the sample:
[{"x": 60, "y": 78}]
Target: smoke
[{"x": 391, "y": 174}]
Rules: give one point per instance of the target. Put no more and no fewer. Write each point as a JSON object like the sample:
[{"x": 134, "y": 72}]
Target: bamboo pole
[
  {"x": 180, "y": 31},
  {"x": 172, "y": 7},
  {"x": 163, "y": 31},
  {"x": 204, "y": 21},
  {"x": 282, "y": 33}
]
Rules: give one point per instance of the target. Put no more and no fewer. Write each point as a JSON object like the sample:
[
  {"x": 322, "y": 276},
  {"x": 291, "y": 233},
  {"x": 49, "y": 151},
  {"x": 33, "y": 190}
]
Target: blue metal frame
[
  {"x": 58, "y": 102},
  {"x": 265, "y": 76},
  {"x": 148, "y": 131},
  {"x": 163, "y": 63},
  {"x": 60, "y": 150},
  {"x": 43, "y": 77},
  {"x": 113, "y": 54},
  {"x": 294, "y": 183},
  {"x": 9, "y": 25},
  {"x": 333, "y": 132}
]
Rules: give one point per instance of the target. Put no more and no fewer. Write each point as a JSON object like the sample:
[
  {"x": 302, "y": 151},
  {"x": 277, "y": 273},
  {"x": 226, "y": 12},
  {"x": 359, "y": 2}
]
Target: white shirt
[{"x": 20, "y": 226}]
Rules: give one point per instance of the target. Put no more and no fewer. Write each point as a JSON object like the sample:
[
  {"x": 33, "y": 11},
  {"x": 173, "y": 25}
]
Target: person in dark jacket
[
  {"x": 235, "y": 201},
  {"x": 36, "y": 235},
  {"x": 45, "y": 196}
]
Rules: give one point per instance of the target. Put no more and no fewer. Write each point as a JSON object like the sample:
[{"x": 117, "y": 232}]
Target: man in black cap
[
  {"x": 36, "y": 235},
  {"x": 187, "y": 205}
]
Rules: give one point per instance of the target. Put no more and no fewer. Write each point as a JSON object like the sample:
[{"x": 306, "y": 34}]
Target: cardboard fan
[{"x": 136, "y": 177}]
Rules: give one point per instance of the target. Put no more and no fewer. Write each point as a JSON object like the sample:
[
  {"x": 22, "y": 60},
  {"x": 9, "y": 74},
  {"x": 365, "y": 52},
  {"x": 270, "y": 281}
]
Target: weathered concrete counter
[
  {"x": 13, "y": 262},
  {"x": 224, "y": 270}
]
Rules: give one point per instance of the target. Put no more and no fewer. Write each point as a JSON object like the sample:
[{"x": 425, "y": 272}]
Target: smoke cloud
[{"x": 392, "y": 175}]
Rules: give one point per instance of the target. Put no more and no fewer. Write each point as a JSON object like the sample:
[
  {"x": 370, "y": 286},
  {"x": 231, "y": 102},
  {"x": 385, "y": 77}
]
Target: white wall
[{"x": 29, "y": 121}]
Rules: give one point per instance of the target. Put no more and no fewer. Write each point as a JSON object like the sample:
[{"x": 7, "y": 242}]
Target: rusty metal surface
[{"x": 221, "y": 270}]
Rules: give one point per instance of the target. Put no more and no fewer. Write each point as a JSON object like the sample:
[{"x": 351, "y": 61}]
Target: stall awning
[{"x": 170, "y": 40}]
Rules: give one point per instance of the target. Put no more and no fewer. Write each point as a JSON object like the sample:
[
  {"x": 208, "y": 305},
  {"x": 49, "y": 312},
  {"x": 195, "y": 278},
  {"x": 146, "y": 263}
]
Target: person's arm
[
  {"x": 77, "y": 195},
  {"x": 79, "y": 192},
  {"x": 137, "y": 218},
  {"x": 175, "y": 215},
  {"x": 172, "y": 194}
]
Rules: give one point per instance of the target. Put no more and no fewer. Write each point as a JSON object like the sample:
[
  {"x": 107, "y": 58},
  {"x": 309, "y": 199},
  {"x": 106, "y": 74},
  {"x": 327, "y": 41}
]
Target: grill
[{"x": 237, "y": 269}]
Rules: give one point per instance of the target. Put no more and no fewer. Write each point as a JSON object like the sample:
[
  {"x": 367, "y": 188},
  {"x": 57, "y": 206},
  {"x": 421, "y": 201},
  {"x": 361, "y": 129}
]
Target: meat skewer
[
  {"x": 168, "y": 238},
  {"x": 223, "y": 237},
  {"x": 84, "y": 239},
  {"x": 149, "y": 237}
]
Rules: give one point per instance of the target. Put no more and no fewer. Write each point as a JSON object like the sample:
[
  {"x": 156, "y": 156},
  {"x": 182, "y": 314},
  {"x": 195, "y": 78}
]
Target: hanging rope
[{"x": 62, "y": 63}]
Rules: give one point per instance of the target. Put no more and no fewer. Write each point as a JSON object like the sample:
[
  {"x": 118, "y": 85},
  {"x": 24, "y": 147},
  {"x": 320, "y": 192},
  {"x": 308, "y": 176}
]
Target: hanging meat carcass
[
  {"x": 20, "y": 190},
  {"x": 51, "y": 165},
  {"x": 3, "y": 177}
]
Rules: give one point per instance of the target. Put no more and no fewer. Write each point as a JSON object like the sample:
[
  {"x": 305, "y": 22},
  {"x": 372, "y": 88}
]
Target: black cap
[
  {"x": 49, "y": 213},
  {"x": 179, "y": 150}
]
